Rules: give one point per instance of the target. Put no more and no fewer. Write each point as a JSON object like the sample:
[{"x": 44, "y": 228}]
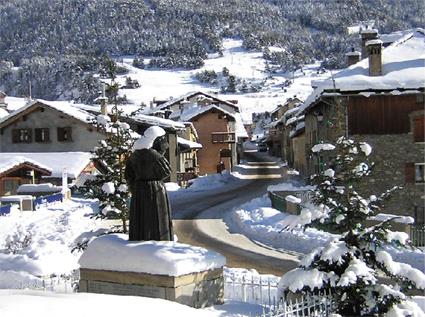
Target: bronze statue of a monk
[{"x": 146, "y": 168}]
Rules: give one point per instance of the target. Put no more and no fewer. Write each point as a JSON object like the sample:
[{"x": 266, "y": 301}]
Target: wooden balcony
[{"x": 223, "y": 137}]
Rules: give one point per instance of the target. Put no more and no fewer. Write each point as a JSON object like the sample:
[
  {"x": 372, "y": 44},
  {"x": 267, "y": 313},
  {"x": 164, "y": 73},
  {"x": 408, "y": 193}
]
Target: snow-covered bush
[{"x": 350, "y": 265}]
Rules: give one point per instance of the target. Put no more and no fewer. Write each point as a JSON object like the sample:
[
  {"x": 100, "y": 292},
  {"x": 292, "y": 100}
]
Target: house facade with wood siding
[{"x": 385, "y": 110}]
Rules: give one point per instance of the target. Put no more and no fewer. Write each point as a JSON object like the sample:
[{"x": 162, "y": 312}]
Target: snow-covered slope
[{"x": 166, "y": 84}]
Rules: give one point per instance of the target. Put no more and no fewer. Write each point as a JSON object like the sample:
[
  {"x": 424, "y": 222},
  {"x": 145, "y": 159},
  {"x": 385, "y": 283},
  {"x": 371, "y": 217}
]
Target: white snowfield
[
  {"x": 115, "y": 252},
  {"x": 14, "y": 303}
]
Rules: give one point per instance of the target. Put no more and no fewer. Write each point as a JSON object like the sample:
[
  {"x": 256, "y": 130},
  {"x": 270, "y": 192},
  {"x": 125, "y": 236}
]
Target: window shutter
[
  {"x": 60, "y": 134},
  {"x": 419, "y": 129},
  {"x": 37, "y": 135},
  {"x": 410, "y": 173},
  {"x": 15, "y": 136}
]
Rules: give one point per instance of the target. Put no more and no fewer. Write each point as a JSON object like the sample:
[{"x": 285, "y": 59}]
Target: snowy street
[{"x": 199, "y": 219}]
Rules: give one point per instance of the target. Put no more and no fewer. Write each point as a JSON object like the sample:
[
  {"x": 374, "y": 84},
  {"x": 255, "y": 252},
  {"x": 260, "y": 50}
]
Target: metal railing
[{"x": 417, "y": 235}]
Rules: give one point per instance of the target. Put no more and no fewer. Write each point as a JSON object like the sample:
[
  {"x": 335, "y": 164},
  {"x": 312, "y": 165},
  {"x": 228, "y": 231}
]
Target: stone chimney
[
  {"x": 374, "y": 48},
  {"x": 104, "y": 108},
  {"x": 3, "y": 104},
  {"x": 353, "y": 57},
  {"x": 367, "y": 35}
]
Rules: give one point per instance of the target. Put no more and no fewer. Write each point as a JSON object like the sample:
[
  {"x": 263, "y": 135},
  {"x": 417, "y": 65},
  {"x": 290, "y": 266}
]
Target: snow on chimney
[
  {"x": 353, "y": 57},
  {"x": 367, "y": 35},
  {"x": 374, "y": 48}
]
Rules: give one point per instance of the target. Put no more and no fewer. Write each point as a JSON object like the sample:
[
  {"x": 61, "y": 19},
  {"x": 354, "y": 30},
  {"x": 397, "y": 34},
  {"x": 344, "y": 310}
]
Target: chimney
[
  {"x": 353, "y": 57},
  {"x": 3, "y": 103},
  {"x": 367, "y": 35},
  {"x": 103, "y": 109},
  {"x": 374, "y": 48}
]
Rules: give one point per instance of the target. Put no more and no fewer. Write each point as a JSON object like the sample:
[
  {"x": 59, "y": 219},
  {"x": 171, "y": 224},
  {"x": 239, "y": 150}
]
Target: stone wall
[
  {"x": 198, "y": 289},
  {"x": 390, "y": 154}
]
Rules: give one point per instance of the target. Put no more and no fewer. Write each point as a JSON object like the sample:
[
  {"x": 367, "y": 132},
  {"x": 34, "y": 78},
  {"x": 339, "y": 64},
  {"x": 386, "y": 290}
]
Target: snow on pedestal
[{"x": 163, "y": 269}]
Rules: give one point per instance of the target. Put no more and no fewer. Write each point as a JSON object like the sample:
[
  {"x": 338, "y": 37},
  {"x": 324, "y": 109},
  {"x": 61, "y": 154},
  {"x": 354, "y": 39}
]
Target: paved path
[{"x": 199, "y": 219}]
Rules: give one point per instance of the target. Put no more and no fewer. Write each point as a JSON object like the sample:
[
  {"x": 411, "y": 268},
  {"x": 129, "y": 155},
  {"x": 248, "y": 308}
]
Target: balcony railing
[{"x": 223, "y": 137}]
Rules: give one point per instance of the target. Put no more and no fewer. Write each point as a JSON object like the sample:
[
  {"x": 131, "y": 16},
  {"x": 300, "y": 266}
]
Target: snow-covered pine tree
[
  {"x": 352, "y": 264},
  {"x": 109, "y": 186}
]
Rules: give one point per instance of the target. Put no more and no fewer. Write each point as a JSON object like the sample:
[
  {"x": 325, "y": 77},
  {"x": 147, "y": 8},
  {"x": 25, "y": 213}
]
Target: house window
[
  {"x": 65, "y": 134},
  {"x": 419, "y": 173},
  {"x": 415, "y": 173},
  {"x": 419, "y": 129},
  {"x": 21, "y": 135},
  {"x": 41, "y": 135}
]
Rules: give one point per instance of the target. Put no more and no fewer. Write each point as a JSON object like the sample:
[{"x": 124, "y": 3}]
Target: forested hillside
[{"x": 56, "y": 42}]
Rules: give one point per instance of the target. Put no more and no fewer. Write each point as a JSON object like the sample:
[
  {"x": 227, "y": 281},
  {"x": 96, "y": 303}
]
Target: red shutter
[
  {"x": 410, "y": 173},
  {"x": 419, "y": 129}
]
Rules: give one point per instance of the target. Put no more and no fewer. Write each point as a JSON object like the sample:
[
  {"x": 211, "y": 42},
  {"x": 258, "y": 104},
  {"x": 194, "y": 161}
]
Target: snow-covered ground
[
  {"x": 260, "y": 222},
  {"x": 38, "y": 251}
]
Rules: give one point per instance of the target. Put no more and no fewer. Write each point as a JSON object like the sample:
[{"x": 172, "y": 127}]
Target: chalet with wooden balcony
[
  {"x": 217, "y": 134},
  {"x": 379, "y": 100}
]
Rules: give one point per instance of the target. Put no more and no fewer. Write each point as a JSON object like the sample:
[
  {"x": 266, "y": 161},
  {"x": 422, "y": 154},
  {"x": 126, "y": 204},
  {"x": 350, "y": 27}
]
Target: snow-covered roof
[
  {"x": 3, "y": 113},
  {"x": 39, "y": 188},
  {"x": 240, "y": 130},
  {"x": 394, "y": 36},
  {"x": 161, "y": 122},
  {"x": 189, "y": 113},
  {"x": 8, "y": 162},
  {"x": 194, "y": 93},
  {"x": 188, "y": 143},
  {"x": 403, "y": 68},
  {"x": 64, "y": 107},
  {"x": 56, "y": 162}
]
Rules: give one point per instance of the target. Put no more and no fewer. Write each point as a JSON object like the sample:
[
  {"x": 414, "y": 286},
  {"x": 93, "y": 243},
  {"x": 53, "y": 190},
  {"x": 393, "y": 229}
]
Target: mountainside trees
[{"x": 179, "y": 33}]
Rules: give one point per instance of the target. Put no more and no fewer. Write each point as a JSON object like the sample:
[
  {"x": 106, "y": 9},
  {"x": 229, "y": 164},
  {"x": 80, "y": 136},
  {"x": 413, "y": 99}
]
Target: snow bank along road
[{"x": 199, "y": 219}]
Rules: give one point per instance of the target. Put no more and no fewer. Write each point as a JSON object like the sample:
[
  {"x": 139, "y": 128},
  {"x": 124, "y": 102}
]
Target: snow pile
[
  {"x": 114, "y": 252},
  {"x": 172, "y": 187},
  {"x": 322, "y": 147},
  {"x": 288, "y": 187},
  {"x": 35, "y": 244},
  {"x": 257, "y": 220},
  {"x": 212, "y": 181}
]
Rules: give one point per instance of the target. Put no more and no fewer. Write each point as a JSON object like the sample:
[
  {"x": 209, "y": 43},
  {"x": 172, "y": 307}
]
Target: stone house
[
  {"x": 42, "y": 126},
  {"x": 379, "y": 100}
]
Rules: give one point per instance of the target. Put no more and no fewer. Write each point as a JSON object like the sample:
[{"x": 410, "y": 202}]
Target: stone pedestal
[
  {"x": 198, "y": 290},
  {"x": 178, "y": 272}
]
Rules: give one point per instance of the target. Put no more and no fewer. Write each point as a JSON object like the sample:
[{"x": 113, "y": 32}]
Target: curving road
[{"x": 198, "y": 218}]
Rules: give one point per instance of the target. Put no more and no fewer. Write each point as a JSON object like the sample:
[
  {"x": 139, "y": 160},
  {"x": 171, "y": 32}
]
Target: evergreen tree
[
  {"x": 350, "y": 264},
  {"x": 110, "y": 186}
]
